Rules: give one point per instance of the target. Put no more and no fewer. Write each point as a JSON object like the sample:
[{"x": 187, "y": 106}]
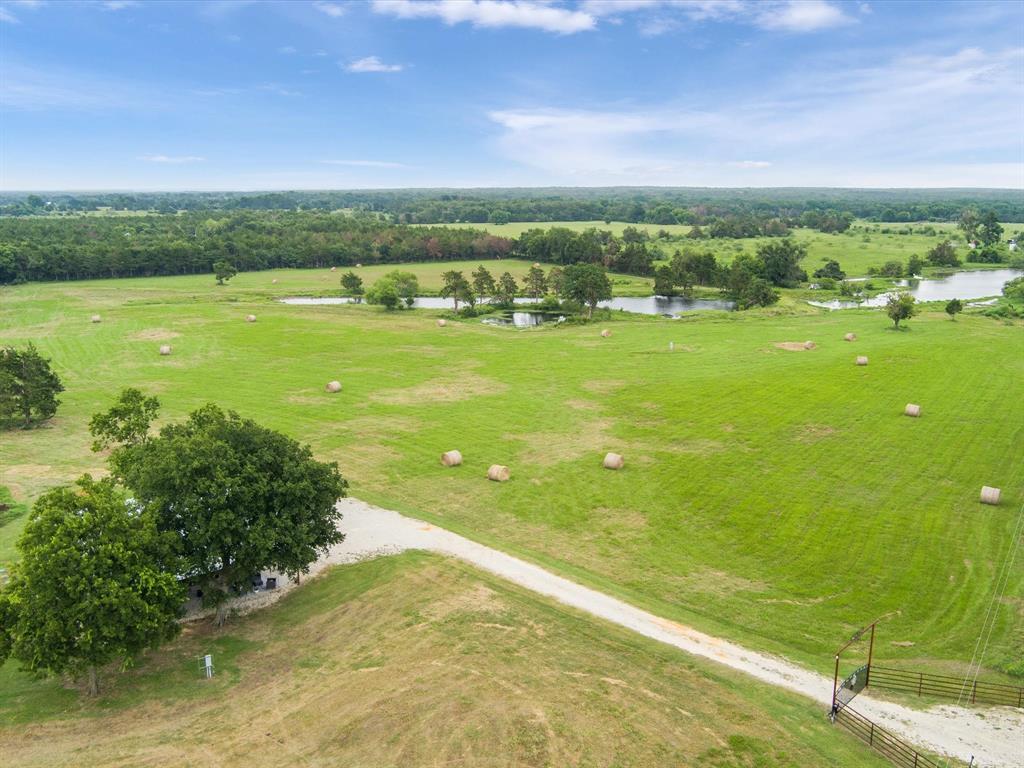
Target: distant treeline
[
  {"x": 651, "y": 205},
  {"x": 63, "y": 248}
]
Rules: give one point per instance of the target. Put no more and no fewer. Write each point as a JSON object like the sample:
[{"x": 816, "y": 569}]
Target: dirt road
[{"x": 994, "y": 736}]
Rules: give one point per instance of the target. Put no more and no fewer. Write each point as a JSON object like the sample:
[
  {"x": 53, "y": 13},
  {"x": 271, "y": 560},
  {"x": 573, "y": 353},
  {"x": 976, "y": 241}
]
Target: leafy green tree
[
  {"x": 499, "y": 217},
  {"x": 664, "y": 281},
  {"x": 915, "y": 266},
  {"x": 240, "y": 498},
  {"x": 28, "y": 387},
  {"x": 407, "y": 285},
  {"x": 991, "y": 230},
  {"x": 831, "y": 270},
  {"x": 968, "y": 223},
  {"x": 93, "y": 584},
  {"x": 127, "y": 422},
  {"x": 223, "y": 270},
  {"x": 943, "y": 255},
  {"x": 556, "y": 280},
  {"x": 587, "y": 284},
  {"x": 900, "y": 306},
  {"x": 384, "y": 292},
  {"x": 536, "y": 284},
  {"x": 891, "y": 268},
  {"x": 456, "y": 288},
  {"x": 954, "y": 307},
  {"x": 506, "y": 289},
  {"x": 745, "y": 285},
  {"x": 483, "y": 282},
  {"x": 352, "y": 284},
  {"x": 781, "y": 262}
]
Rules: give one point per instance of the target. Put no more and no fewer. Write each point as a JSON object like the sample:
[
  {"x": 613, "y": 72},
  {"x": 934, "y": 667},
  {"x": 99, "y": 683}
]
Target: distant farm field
[
  {"x": 418, "y": 660},
  {"x": 774, "y": 496}
]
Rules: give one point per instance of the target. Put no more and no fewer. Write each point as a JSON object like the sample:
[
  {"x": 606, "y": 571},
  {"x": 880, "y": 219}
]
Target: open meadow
[
  {"x": 772, "y": 495},
  {"x": 418, "y": 660}
]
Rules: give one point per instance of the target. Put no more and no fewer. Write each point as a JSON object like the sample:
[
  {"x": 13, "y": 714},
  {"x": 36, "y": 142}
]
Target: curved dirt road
[{"x": 994, "y": 736}]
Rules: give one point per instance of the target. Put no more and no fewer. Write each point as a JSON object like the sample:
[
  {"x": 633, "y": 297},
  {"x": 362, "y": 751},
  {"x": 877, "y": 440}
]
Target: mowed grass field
[
  {"x": 418, "y": 660},
  {"x": 861, "y": 247},
  {"x": 776, "y": 497}
]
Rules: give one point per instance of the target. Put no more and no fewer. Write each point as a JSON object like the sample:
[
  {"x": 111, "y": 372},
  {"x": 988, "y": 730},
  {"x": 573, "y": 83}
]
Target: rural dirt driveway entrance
[{"x": 995, "y": 737}]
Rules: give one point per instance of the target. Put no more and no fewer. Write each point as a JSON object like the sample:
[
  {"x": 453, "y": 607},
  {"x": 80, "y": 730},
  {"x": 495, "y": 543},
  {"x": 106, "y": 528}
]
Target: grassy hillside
[
  {"x": 778, "y": 497},
  {"x": 414, "y": 661}
]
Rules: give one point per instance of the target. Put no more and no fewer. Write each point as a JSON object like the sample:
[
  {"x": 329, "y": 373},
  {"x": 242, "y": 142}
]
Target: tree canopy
[
  {"x": 28, "y": 387},
  {"x": 586, "y": 284}
]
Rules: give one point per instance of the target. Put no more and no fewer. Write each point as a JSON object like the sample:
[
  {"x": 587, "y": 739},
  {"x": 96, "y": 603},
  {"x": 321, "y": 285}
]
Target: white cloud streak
[
  {"x": 371, "y": 64},
  {"x": 524, "y": 14},
  {"x": 365, "y": 163},
  {"x": 172, "y": 159},
  {"x": 334, "y": 10}
]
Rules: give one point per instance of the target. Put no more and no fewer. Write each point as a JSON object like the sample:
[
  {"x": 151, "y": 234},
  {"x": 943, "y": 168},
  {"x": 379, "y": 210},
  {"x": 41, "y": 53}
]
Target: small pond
[
  {"x": 975, "y": 284},
  {"x": 523, "y": 319},
  {"x": 644, "y": 305}
]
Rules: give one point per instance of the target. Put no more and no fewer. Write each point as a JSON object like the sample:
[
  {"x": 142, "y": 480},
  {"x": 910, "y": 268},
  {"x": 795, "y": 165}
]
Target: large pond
[
  {"x": 976, "y": 284},
  {"x": 645, "y": 305}
]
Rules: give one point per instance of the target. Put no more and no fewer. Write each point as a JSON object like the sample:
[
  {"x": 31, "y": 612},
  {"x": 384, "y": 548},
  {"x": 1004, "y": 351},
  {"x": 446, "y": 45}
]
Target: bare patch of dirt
[
  {"x": 792, "y": 346},
  {"x": 582, "y": 405},
  {"x": 445, "y": 390},
  {"x": 715, "y": 582},
  {"x": 153, "y": 334},
  {"x": 546, "y": 448},
  {"x": 812, "y": 433},
  {"x": 478, "y": 599},
  {"x": 603, "y": 386}
]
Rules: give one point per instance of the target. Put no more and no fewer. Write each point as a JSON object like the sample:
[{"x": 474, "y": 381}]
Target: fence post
[
  {"x": 974, "y": 691},
  {"x": 871, "y": 734},
  {"x": 920, "y": 682}
]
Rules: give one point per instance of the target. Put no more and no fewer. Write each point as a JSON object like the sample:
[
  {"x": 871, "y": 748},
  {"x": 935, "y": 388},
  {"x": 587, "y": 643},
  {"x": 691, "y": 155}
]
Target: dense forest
[
  {"x": 73, "y": 248},
  {"x": 818, "y": 208}
]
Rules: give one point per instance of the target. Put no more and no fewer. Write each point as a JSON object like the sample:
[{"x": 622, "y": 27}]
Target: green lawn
[
  {"x": 773, "y": 496},
  {"x": 415, "y": 660}
]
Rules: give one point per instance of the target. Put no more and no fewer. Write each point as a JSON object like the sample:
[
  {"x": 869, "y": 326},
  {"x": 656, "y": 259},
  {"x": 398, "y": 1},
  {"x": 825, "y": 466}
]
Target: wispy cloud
[
  {"x": 838, "y": 127},
  {"x": 287, "y": 50},
  {"x": 365, "y": 163},
  {"x": 372, "y": 64},
  {"x": 528, "y": 14},
  {"x": 119, "y": 5},
  {"x": 172, "y": 159},
  {"x": 7, "y": 17},
  {"x": 660, "y": 16},
  {"x": 334, "y": 10},
  {"x": 801, "y": 16}
]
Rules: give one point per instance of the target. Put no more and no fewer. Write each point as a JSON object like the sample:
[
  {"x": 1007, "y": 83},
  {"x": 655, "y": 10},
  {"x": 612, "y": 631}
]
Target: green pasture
[{"x": 774, "y": 496}]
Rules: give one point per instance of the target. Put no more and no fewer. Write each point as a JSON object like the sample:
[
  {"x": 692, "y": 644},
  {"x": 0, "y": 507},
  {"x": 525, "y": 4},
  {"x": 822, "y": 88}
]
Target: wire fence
[{"x": 943, "y": 686}]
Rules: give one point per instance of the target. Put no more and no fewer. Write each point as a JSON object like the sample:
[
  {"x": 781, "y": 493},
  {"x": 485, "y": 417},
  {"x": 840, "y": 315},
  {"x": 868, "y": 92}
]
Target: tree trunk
[
  {"x": 93, "y": 683},
  {"x": 222, "y": 614}
]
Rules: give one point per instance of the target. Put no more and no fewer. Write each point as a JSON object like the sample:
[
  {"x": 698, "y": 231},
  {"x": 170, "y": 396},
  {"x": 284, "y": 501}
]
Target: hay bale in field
[
  {"x": 333, "y": 386},
  {"x": 536, "y": 264},
  {"x": 359, "y": 266},
  {"x": 671, "y": 346},
  {"x": 862, "y": 360},
  {"x": 441, "y": 322},
  {"x": 250, "y": 318},
  {"x": 498, "y": 473},
  {"x": 451, "y": 458},
  {"x": 274, "y": 281},
  {"x": 165, "y": 349},
  {"x": 989, "y": 495},
  {"x": 613, "y": 461},
  {"x": 850, "y": 337},
  {"x": 606, "y": 333},
  {"x": 809, "y": 345},
  {"x": 95, "y": 319},
  {"x": 912, "y": 410},
  {"x": 334, "y": 269}
]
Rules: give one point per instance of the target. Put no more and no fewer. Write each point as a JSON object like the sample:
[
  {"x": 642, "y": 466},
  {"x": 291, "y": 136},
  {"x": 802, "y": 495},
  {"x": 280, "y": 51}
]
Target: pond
[
  {"x": 975, "y": 284},
  {"x": 523, "y": 319},
  {"x": 644, "y": 305}
]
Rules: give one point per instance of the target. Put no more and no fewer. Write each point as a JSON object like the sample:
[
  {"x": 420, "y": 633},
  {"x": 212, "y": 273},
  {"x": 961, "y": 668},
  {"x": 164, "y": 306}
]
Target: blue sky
[{"x": 392, "y": 93}]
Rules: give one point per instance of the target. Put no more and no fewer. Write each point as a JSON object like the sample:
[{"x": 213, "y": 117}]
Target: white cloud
[
  {"x": 172, "y": 159},
  {"x": 119, "y": 5},
  {"x": 801, "y": 16},
  {"x": 288, "y": 50},
  {"x": 334, "y": 10},
  {"x": 845, "y": 126},
  {"x": 527, "y": 14},
  {"x": 371, "y": 64},
  {"x": 365, "y": 163},
  {"x": 7, "y": 16}
]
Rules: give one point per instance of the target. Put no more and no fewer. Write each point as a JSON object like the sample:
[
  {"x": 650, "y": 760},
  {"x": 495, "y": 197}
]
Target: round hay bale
[
  {"x": 441, "y": 322},
  {"x": 536, "y": 264},
  {"x": 989, "y": 495},
  {"x": 850, "y": 337},
  {"x": 809, "y": 345},
  {"x": 613, "y": 461},
  {"x": 606, "y": 333},
  {"x": 165, "y": 349},
  {"x": 334, "y": 269},
  {"x": 359, "y": 266},
  {"x": 274, "y": 281},
  {"x": 95, "y": 319},
  {"x": 250, "y": 318},
  {"x": 912, "y": 410},
  {"x": 498, "y": 473},
  {"x": 451, "y": 458},
  {"x": 862, "y": 360},
  {"x": 333, "y": 386}
]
